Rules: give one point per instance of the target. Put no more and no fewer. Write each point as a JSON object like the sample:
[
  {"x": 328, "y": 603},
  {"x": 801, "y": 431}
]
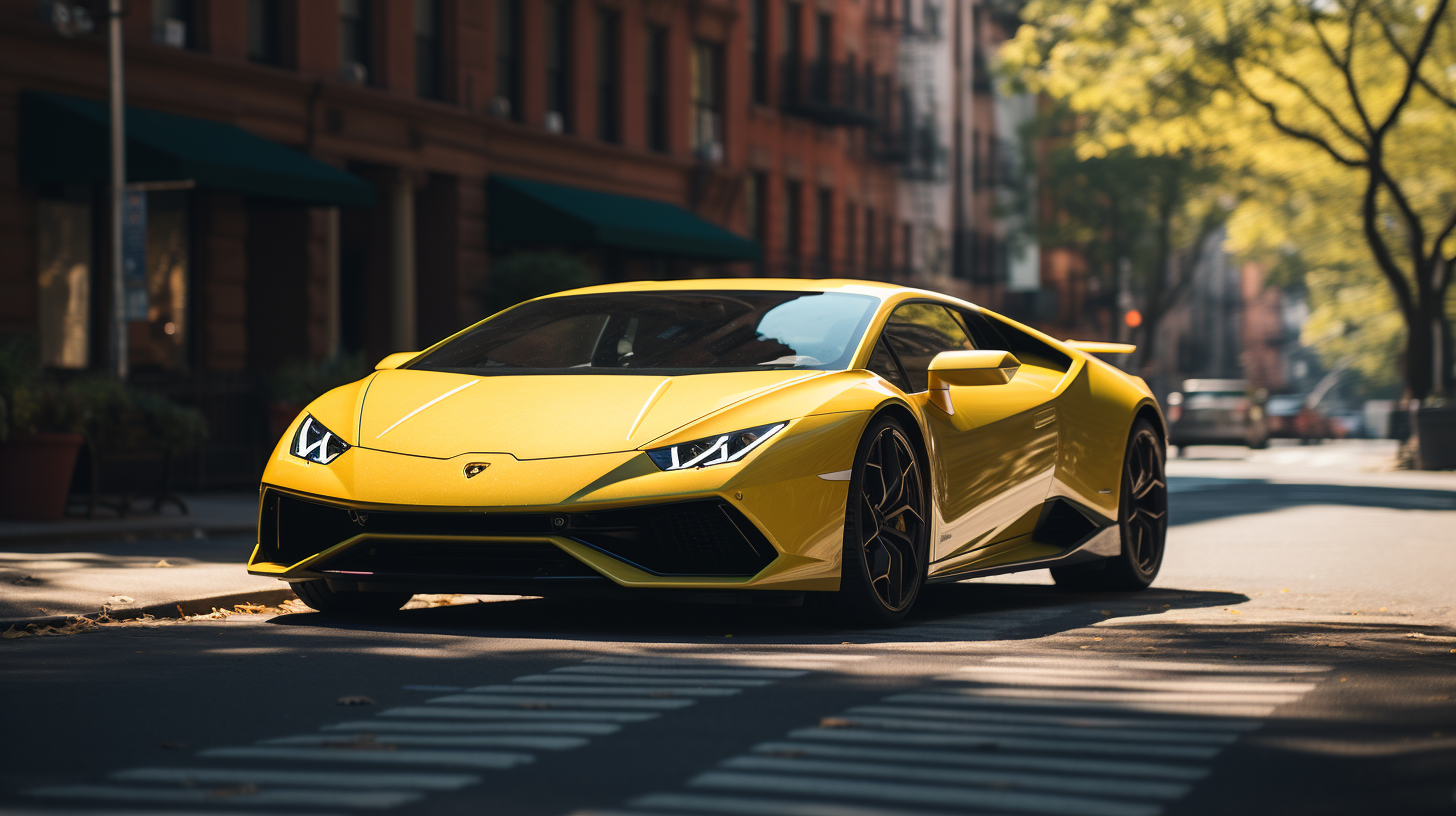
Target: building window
[
  {"x": 356, "y": 42},
  {"x": 159, "y": 340},
  {"x": 507, "y": 101},
  {"x": 824, "y": 225},
  {"x": 608, "y": 80},
  {"x": 706, "y": 124},
  {"x": 63, "y": 246},
  {"x": 558, "y": 66},
  {"x": 656, "y": 82},
  {"x": 758, "y": 49},
  {"x": 174, "y": 23},
  {"x": 429, "y": 56},
  {"x": 265, "y": 35},
  {"x": 792, "y": 217}
]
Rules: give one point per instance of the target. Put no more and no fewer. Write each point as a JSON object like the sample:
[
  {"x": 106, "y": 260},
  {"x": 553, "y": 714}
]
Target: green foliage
[
  {"x": 526, "y": 275},
  {"x": 108, "y": 412},
  {"x": 299, "y": 382}
]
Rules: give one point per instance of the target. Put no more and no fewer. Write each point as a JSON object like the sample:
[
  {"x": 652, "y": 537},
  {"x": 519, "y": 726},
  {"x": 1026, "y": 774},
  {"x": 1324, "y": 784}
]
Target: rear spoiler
[{"x": 1094, "y": 347}]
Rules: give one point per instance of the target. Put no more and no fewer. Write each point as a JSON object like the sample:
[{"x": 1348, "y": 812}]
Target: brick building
[{"x": 334, "y": 175}]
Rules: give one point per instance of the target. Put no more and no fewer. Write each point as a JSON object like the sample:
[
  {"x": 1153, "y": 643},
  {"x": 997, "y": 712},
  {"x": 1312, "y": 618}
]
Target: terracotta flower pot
[{"x": 35, "y": 475}]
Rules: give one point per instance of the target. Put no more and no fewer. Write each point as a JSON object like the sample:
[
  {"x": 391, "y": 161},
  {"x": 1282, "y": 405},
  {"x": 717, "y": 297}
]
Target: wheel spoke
[{"x": 890, "y": 468}]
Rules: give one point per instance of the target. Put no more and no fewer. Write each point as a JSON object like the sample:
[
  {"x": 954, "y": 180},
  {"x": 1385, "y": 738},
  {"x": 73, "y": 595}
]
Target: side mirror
[
  {"x": 968, "y": 368},
  {"x": 396, "y": 360}
]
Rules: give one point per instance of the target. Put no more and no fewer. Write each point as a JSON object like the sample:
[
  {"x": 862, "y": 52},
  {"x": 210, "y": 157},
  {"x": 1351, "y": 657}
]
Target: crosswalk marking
[
  {"x": 339, "y": 779},
  {"x": 543, "y": 743},
  {"x": 447, "y": 759},
  {"x": 637, "y": 680},
  {"x": 561, "y": 702},
  {"x": 268, "y": 796},
  {"x": 445, "y": 713},
  {"x": 507, "y": 726},
  {"x": 1074, "y": 735},
  {"x": 616, "y": 691}
]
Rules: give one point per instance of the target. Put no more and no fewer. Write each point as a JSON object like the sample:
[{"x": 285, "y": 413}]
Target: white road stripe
[
  {"x": 560, "y": 702},
  {"x": 1246, "y": 711},
  {"x": 616, "y": 691},
  {"x": 758, "y": 806},
  {"x": 461, "y": 759},
  {"x": 1153, "y": 664},
  {"x": 1056, "y": 783},
  {"x": 516, "y": 713},
  {"x": 1034, "y": 673},
  {"x": 629, "y": 680},
  {"x": 1000, "y": 742},
  {"x": 6, "y": 811},
  {"x": 738, "y": 657},
  {"x": 1125, "y": 696},
  {"x": 328, "y": 779},
  {"x": 1016, "y": 762},
  {"x": 343, "y": 743},
  {"x": 1071, "y": 732},
  {"x": 1232, "y": 686},
  {"x": 510, "y": 726},
  {"x": 924, "y": 794},
  {"x": 727, "y": 673},
  {"x": 262, "y": 796},
  {"x": 1088, "y": 721}
]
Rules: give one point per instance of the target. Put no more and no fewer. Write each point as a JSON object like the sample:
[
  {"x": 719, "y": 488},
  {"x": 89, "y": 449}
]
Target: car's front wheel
[
  {"x": 1142, "y": 516},
  {"x": 886, "y": 531},
  {"x": 318, "y": 595}
]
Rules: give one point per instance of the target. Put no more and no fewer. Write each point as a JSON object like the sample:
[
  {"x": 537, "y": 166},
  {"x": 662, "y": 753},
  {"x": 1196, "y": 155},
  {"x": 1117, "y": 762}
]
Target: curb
[
  {"x": 169, "y": 610},
  {"x": 127, "y": 534}
]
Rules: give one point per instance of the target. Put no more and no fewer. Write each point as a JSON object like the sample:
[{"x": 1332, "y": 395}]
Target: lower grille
[
  {"x": 698, "y": 538},
  {"x": 462, "y": 558}
]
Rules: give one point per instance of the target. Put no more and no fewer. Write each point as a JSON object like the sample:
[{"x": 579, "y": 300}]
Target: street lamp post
[{"x": 118, "y": 190}]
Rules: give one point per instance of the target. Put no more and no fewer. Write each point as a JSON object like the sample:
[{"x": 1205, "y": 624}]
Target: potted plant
[{"x": 40, "y": 436}]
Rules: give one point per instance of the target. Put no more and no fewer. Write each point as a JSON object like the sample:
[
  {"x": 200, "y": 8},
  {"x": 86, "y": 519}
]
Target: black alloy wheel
[
  {"x": 885, "y": 529},
  {"x": 1142, "y": 517},
  {"x": 319, "y": 596}
]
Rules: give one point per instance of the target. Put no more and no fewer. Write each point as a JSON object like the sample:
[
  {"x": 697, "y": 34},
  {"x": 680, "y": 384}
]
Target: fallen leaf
[
  {"x": 1104, "y": 611},
  {"x": 12, "y": 633},
  {"x": 835, "y": 722},
  {"x": 1283, "y": 590},
  {"x": 1382, "y": 609},
  {"x": 355, "y": 700},
  {"x": 1097, "y": 639},
  {"x": 1233, "y": 612},
  {"x": 162, "y": 563}
]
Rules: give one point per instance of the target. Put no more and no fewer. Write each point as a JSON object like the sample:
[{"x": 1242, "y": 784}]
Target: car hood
[{"x": 441, "y": 415}]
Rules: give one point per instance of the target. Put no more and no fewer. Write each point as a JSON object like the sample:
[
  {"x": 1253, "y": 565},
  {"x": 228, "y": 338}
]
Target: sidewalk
[{"x": 143, "y": 564}]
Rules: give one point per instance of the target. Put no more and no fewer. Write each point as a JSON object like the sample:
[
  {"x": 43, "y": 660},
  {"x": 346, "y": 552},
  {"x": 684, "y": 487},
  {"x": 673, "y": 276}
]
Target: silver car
[{"x": 1216, "y": 412}]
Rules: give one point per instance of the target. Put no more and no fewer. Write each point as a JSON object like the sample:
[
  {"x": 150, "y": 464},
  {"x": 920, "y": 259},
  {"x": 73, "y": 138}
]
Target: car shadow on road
[
  {"x": 1242, "y": 497},
  {"x": 946, "y": 613}
]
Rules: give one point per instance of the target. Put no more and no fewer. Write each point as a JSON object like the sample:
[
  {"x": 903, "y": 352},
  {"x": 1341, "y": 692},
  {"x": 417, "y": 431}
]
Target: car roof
[{"x": 875, "y": 289}]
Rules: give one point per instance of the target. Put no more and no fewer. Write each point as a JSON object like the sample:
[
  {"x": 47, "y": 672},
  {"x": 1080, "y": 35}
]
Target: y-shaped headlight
[
  {"x": 316, "y": 443},
  {"x": 713, "y": 450}
]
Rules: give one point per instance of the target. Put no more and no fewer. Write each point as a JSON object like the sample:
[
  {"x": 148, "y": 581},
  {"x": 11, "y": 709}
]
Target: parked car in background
[
  {"x": 1292, "y": 416},
  {"x": 1216, "y": 412}
]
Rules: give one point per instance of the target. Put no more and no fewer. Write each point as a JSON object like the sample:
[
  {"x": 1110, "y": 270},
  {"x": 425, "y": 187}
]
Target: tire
[
  {"x": 886, "y": 534},
  {"x": 319, "y": 596},
  {"x": 1142, "y": 517}
]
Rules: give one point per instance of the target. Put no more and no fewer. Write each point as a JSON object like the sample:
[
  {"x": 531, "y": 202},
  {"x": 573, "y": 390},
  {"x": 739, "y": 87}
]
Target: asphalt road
[{"x": 1297, "y": 655}]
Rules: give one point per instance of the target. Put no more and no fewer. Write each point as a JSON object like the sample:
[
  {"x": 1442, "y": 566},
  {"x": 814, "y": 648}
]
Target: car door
[{"x": 992, "y": 461}]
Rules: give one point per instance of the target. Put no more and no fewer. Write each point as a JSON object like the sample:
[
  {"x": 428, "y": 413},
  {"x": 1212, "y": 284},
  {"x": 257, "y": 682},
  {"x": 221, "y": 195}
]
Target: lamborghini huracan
[{"x": 751, "y": 440}]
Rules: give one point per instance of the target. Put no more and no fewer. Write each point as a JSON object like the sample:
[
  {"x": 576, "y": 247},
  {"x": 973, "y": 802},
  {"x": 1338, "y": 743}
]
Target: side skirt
[{"x": 1082, "y": 535}]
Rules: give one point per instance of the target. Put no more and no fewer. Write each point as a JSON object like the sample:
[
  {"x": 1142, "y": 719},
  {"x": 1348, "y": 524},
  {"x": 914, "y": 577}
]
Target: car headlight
[
  {"x": 713, "y": 450},
  {"x": 316, "y": 443}
]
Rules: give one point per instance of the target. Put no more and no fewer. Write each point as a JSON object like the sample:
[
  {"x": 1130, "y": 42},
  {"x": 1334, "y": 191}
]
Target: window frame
[{"x": 955, "y": 313}]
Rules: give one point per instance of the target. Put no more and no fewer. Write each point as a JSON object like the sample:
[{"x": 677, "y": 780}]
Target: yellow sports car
[{"x": 752, "y": 440}]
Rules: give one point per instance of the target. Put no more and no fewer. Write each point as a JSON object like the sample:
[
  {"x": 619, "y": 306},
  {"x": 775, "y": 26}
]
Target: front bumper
[{"x": 531, "y": 526}]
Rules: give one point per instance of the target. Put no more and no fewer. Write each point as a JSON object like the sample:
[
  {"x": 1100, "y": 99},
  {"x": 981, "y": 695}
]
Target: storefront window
[
  {"x": 64, "y": 247},
  {"x": 159, "y": 342}
]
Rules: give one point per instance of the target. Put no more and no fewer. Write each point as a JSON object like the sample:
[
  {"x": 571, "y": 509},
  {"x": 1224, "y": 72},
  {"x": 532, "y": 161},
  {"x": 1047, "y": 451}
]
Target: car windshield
[{"x": 663, "y": 332}]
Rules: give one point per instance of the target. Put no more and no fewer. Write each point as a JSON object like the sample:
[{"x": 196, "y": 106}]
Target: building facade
[{"x": 414, "y": 135}]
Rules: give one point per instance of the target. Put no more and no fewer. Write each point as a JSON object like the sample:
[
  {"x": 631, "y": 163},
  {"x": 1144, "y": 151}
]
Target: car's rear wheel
[
  {"x": 885, "y": 529},
  {"x": 1142, "y": 516},
  {"x": 319, "y": 596}
]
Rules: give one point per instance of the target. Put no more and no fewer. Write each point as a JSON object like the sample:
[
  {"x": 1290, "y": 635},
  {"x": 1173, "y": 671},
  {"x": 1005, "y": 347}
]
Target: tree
[
  {"x": 1353, "y": 95},
  {"x": 1152, "y": 213}
]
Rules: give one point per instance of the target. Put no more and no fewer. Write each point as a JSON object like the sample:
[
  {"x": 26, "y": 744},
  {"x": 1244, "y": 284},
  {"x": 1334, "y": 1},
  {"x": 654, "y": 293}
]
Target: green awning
[
  {"x": 63, "y": 139},
  {"x": 535, "y": 214}
]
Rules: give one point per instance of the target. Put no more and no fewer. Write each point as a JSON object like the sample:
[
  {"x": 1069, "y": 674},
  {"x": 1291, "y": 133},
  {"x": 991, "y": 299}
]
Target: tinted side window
[
  {"x": 917, "y": 332},
  {"x": 882, "y": 362},
  {"x": 991, "y": 333}
]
